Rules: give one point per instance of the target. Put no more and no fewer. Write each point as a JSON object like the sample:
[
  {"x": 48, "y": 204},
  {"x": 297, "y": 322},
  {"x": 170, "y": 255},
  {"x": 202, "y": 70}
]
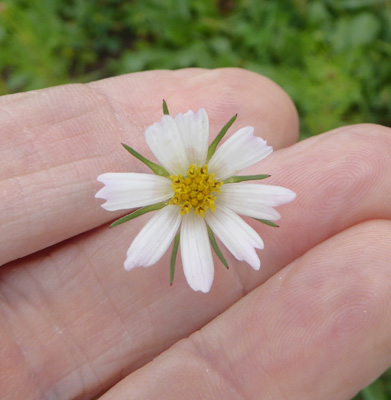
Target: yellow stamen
[{"x": 195, "y": 191}]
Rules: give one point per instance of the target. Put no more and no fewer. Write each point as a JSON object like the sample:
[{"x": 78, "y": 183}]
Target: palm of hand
[{"x": 316, "y": 323}]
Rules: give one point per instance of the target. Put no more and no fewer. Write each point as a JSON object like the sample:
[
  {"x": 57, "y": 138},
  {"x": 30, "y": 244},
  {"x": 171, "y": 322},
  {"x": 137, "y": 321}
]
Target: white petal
[
  {"x": 254, "y": 200},
  {"x": 194, "y": 129},
  {"x": 240, "y": 151},
  {"x": 196, "y": 253},
  {"x": 154, "y": 239},
  {"x": 236, "y": 235},
  {"x": 166, "y": 144},
  {"x": 129, "y": 190}
]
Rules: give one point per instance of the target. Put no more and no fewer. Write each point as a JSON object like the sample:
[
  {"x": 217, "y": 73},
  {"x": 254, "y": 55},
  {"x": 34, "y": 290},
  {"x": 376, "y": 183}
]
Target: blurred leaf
[
  {"x": 356, "y": 31},
  {"x": 356, "y": 4}
]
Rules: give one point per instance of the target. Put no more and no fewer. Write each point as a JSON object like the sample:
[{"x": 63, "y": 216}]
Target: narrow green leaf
[
  {"x": 267, "y": 222},
  {"x": 165, "y": 108},
  {"x": 214, "y": 144},
  {"x": 173, "y": 258},
  {"x": 137, "y": 213},
  {"x": 157, "y": 169},
  {"x": 236, "y": 179},
  {"x": 216, "y": 247}
]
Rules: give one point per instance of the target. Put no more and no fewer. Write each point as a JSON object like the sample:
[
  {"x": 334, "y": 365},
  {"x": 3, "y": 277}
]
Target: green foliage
[{"x": 331, "y": 56}]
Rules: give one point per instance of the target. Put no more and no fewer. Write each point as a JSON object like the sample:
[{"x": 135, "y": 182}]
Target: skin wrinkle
[
  {"x": 140, "y": 358},
  {"x": 55, "y": 171},
  {"x": 81, "y": 363},
  {"x": 91, "y": 268},
  {"x": 108, "y": 360},
  {"x": 49, "y": 104},
  {"x": 55, "y": 167},
  {"x": 197, "y": 342},
  {"x": 5, "y": 100},
  {"x": 94, "y": 89},
  {"x": 75, "y": 375},
  {"x": 280, "y": 392},
  {"x": 143, "y": 353},
  {"x": 42, "y": 172},
  {"x": 62, "y": 280},
  {"x": 128, "y": 118},
  {"x": 192, "y": 346},
  {"x": 253, "y": 311},
  {"x": 152, "y": 325},
  {"x": 37, "y": 395},
  {"x": 4, "y": 110},
  {"x": 32, "y": 133},
  {"x": 63, "y": 137},
  {"x": 11, "y": 333},
  {"x": 77, "y": 368}
]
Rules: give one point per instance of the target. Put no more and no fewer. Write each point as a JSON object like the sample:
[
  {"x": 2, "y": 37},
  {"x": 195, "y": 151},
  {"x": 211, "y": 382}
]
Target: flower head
[
  {"x": 196, "y": 191},
  {"x": 196, "y": 195}
]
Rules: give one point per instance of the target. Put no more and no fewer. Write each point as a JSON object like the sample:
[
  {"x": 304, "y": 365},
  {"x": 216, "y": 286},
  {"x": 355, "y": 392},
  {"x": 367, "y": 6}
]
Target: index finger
[{"x": 55, "y": 142}]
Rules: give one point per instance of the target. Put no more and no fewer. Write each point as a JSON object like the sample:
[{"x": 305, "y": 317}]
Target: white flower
[{"x": 195, "y": 196}]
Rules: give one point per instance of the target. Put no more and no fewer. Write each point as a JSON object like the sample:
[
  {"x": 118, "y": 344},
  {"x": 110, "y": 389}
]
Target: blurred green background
[{"x": 333, "y": 57}]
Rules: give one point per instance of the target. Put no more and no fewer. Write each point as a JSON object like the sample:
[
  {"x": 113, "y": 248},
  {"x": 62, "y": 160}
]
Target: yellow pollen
[{"x": 197, "y": 190}]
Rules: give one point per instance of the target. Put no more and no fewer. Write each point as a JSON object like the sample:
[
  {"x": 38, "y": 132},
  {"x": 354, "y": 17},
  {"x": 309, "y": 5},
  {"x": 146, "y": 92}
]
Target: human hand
[{"x": 316, "y": 324}]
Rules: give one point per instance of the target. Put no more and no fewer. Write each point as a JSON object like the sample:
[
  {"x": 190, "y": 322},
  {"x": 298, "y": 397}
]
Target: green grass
[{"x": 331, "y": 56}]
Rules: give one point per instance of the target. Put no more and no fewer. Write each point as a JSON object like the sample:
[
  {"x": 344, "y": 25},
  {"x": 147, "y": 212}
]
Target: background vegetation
[{"x": 331, "y": 56}]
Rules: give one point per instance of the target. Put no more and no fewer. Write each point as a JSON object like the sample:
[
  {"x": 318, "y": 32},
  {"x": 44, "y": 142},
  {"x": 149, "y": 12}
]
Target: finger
[
  {"x": 341, "y": 178},
  {"x": 55, "y": 142},
  {"x": 129, "y": 318},
  {"x": 319, "y": 329}
]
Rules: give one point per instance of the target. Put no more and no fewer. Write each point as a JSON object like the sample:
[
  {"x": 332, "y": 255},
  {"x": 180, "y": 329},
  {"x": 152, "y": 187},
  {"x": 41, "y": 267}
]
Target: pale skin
[{"x": 76, "y": 325}]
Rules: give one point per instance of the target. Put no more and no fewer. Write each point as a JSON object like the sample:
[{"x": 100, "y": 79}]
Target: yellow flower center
[{"x": 195, "y": 190}]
